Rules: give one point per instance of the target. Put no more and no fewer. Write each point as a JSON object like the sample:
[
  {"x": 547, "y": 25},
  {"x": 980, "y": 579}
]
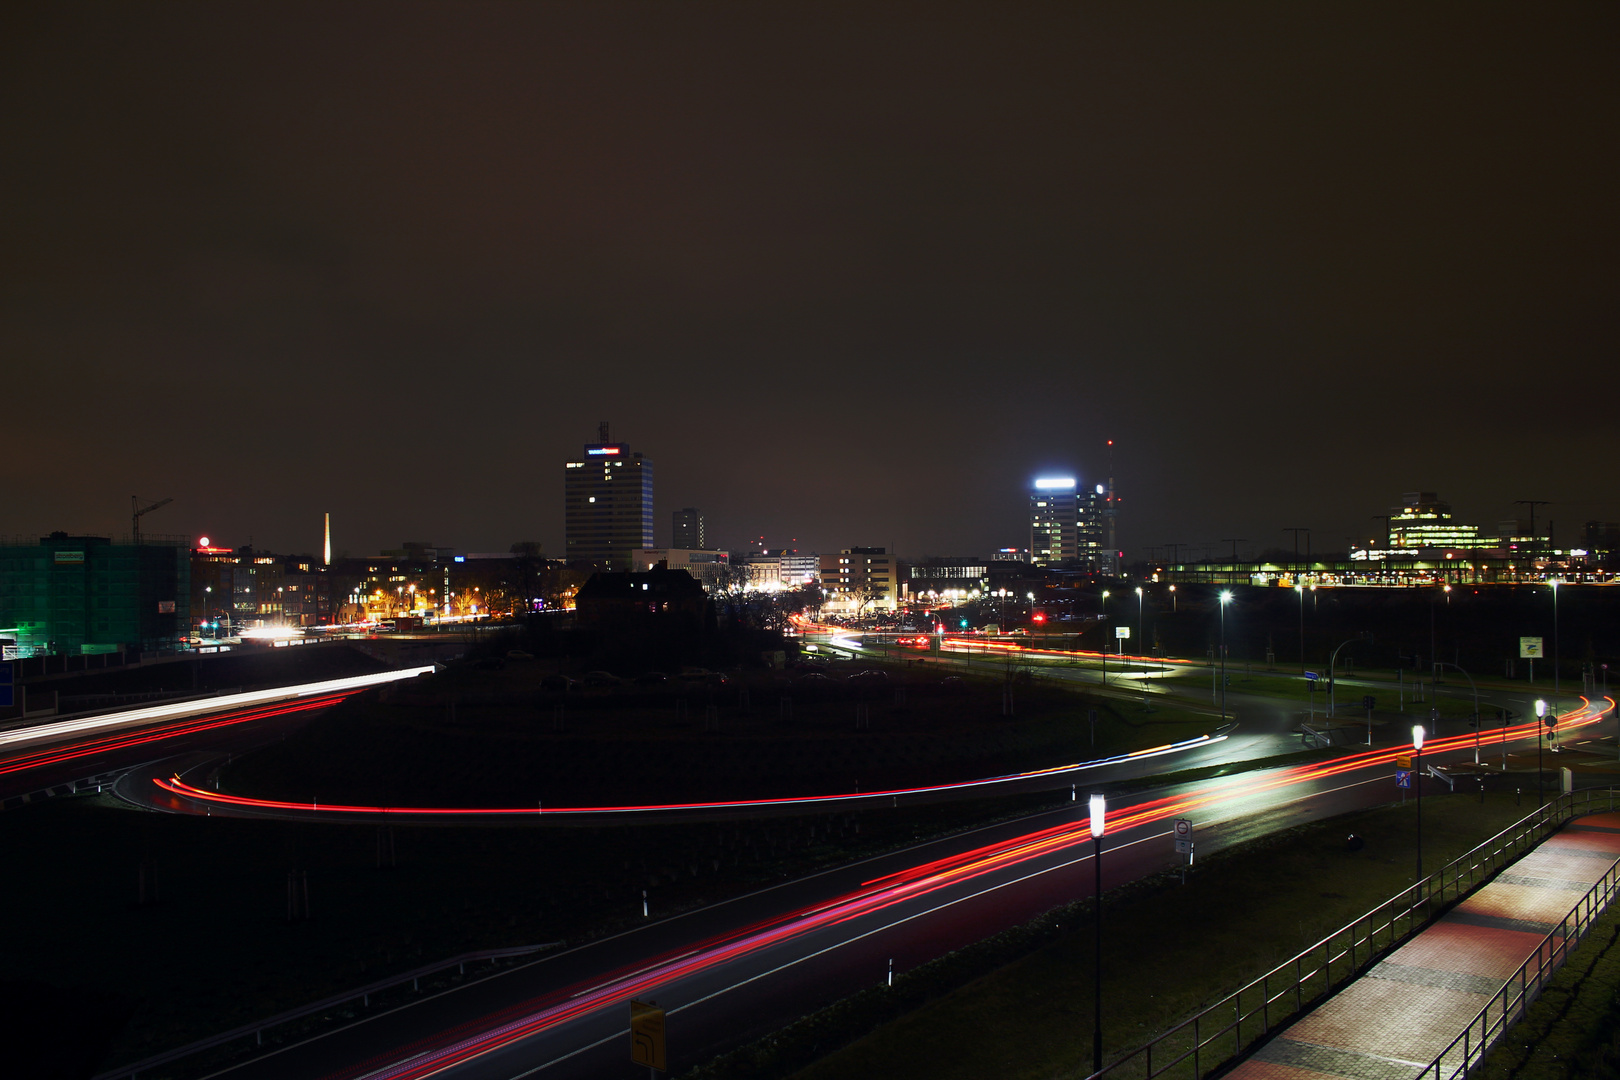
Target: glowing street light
[
  {"x": 1541, "y": 722},
  {"x": 1099, "y": 807},
  {"x": 1140, "y": 640},
  {"x": 1417, "y": 771},
  {"x": 1226, "y": 598}
]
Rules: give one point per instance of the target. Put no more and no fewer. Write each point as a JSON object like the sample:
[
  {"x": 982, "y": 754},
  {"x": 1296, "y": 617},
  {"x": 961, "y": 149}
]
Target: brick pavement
[{"x": 1398, "y": 1016}]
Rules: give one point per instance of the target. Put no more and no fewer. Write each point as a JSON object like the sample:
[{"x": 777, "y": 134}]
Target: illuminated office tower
[
  {"x": 1053, "y": 506},
  {"x": 1068, "y": 526},
  {"x": 607, "y": 505}
]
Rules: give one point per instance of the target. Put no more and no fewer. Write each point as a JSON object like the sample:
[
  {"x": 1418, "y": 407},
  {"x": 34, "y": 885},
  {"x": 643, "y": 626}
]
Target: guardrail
[
  {"x": 1522, "y": 988},
  {"x": 363, "y": 995},
  {"x": 1212, "y": 1038}
]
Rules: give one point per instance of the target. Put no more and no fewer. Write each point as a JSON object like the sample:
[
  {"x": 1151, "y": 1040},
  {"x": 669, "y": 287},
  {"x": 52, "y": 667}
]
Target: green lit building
[{"x": 70, "y": 595}]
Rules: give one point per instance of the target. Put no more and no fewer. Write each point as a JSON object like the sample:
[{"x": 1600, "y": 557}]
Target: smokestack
[{"x": 328, "y": 548}]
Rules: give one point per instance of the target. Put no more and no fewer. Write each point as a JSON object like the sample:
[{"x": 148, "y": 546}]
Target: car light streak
[
  {"x": 153, "y": 713},
  {"x": 540, "y": 1014},
  {"x": 147, "y": 734},
  {"x": 176, "y": 786}
]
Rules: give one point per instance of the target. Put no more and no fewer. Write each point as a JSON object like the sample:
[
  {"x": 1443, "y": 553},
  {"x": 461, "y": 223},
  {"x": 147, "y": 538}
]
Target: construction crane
[{"x": 136, "y": 512}]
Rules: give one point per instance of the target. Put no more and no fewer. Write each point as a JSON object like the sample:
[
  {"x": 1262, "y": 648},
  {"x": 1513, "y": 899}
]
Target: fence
[
  {"x": 1214, "y": 1037},
  {"x": 363, "y": 995},
  {"x": 1523, "y": 986}
]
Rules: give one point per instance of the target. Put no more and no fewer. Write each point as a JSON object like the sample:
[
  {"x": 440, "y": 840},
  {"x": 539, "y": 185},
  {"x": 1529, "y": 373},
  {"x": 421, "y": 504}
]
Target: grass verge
[{"x": 1572, "y": 1032}]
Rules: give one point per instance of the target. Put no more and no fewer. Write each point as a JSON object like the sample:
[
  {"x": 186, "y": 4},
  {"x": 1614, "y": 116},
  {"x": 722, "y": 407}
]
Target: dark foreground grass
[
  {"x": 498, "y": 739},
  {"x": 1019, "y": 1006},
  {"x": 216, "y": 950},
  {"x": 1572, "y": 1032}
]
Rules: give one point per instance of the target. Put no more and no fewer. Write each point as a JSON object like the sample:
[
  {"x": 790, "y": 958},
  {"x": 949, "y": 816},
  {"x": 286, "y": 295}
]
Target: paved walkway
[{"x": 1394, "y": 1020}]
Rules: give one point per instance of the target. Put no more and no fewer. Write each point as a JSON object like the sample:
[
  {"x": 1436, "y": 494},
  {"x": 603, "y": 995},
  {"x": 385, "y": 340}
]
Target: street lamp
[
  {"x": 1099, "y": 806},
  {"x": 1557, "y": 700},
  {"x": 1102, "y": 615},
  {"x": 1301, "y": 590},
  {"x": 1173, "y": 607},
  {"x": 1139, "y": 639},
  {"x": 1226, "y": 598},
  {"x": 1541, "y": 722},
  {"x": 1417, "y": 771}
]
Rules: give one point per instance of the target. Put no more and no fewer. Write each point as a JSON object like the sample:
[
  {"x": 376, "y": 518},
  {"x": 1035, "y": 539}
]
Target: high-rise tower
[
  {"x": 1053, "y": 506},
  {"x": 607, "y": 505},
  {"x": 689, "y": 529}
]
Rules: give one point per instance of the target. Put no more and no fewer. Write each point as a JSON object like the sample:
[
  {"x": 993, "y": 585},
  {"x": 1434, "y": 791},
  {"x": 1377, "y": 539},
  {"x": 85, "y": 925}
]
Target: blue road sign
[
  {"x": 1403, "y": 778},
  {"x": 1311, "y": 676}
]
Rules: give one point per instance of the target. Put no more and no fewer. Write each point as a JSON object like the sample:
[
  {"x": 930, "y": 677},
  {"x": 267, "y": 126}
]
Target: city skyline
[{"x": 849, "y": 277}]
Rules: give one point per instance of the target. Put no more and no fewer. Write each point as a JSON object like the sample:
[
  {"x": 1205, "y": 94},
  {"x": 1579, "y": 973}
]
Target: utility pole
[
  {"x": 1296, "y": 530},
  {"x": 1175, "y": 553},
  {"x": 1532, "y": 504},
  {"x": 1234, "y": 543}
]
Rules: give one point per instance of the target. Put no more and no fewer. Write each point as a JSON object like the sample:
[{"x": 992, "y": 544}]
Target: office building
[
  {"x": 74, "y": 595},
  {"x": 1068, "y": 526},
  {"x": 860, "y": 581},
  {"x": 707, "y": 567},
  {"x": 689, "y": 530},
  {"x": 607, "y": 505}
]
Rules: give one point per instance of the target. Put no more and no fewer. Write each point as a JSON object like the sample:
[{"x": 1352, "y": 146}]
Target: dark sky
[{"x": 846, "y": 275}]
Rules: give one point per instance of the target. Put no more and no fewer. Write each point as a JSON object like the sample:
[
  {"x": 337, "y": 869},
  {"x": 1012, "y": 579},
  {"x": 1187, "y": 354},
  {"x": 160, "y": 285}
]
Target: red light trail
[
  {"x": 161, "y": 732},
  {"x": 543, "y": 1013}
]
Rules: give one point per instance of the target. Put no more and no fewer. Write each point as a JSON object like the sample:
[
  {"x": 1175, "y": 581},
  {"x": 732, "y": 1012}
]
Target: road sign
[
  {"x": 1368, "y": 702},
  {"x": 1403, "y": 778},
  {"x": 1184, "y": 847},
  {"x": 1530, "y": 648},
  {"x": 1403, "y": 761},
  {"x": 647, "y": 1035},
  {"x": 1311, "y": 676},
  {"x": 1183, "y": 829},
  {"x": 1122, "y": 632}
]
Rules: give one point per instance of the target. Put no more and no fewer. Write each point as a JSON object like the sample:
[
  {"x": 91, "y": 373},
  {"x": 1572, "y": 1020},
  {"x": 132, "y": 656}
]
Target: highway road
[
  {"x": 39, "y": 757},
  {"x": 739, "y": 969}
]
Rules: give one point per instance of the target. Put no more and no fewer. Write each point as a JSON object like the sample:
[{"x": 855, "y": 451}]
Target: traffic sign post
[
  {"x": 1310, "y": 681},
  {"x": 1184, "y": 843},
  {"x": 1367, "y": 702},
  {"x": 647, "y": 1036}
]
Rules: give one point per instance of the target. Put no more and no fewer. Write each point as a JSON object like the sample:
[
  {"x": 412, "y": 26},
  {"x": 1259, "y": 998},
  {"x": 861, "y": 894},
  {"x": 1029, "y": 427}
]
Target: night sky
[{"x": 847, "y": 276}]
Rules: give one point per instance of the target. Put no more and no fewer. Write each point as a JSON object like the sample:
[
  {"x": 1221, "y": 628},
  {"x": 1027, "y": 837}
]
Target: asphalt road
[{"x": 740, "y": 969}]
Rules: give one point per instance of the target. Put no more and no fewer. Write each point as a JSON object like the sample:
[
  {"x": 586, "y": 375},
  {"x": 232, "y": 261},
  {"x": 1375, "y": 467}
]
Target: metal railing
[
  {"x": 362, "y": 995},
  {"x": 1525, "y": 985},
  {"x": 1224, "y": 1031}
]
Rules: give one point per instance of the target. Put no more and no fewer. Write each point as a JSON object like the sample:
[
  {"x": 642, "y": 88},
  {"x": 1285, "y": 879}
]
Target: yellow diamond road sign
[{"x": 647, "y": 1035}]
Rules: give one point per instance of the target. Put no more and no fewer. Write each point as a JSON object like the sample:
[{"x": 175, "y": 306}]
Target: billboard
[{"x": 1530, "y": 648}]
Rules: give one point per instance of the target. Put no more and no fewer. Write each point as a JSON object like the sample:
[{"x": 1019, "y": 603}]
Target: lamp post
[
  {"x": 1226, "y": 598},
  {"x": 1139, "y": 639},
  {"x": 1173, "y": 607},
  {"x": 1557, "y": 700},
  {"x": 1478, "y": 720},
  {"x": 1300, "y": 589},
  {"x": 1099, "y": 807},
  {"x": 1102, "y": 614},
  {"x": 1541, "y": 722},
  {"x": 1417, "y": 772}
]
